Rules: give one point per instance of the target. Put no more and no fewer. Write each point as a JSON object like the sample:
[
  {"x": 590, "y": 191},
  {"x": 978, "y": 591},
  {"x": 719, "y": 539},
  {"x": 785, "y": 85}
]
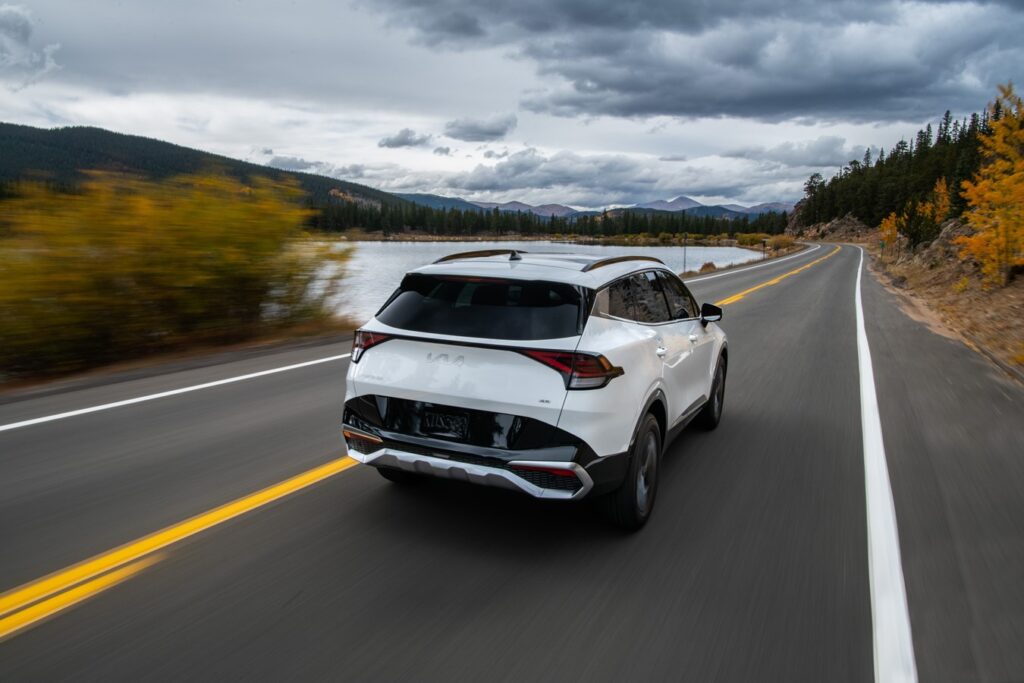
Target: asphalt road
[{"x": 753, "y": 568}]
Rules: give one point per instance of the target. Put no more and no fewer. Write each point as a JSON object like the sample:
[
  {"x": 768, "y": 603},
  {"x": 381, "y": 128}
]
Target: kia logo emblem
[{"x": 458, "y": 361}]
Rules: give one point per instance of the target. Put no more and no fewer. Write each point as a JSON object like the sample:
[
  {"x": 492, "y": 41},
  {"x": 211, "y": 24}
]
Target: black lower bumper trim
[{"x": 380, "y": 417}]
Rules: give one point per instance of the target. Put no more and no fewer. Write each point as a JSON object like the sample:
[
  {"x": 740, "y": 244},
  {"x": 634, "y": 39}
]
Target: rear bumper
[
  {"x": 528, "y": 471},
  {"x": 510, "y": 452},
  {"x": 496, "y": 477}
]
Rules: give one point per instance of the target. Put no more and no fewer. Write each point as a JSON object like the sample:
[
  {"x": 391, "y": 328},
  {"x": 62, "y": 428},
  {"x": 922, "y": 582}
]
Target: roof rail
[
  {"x": 483, "y": 252},
  {"x": 618, "y": 259}
]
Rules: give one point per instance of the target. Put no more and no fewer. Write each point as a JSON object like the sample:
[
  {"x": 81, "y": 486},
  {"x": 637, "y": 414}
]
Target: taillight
[
  {"x": 553, "y": 469},
  {"x": 363, "y": 341},
  {"x": 579, "y": 370}
]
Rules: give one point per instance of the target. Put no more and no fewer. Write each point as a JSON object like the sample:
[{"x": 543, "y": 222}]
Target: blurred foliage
[
  {"x": 121, "y": 266},
  {"x": 781, "y": 242},
  {"x": 751, "y": 239},
  {"x": 996, "y": 193}
]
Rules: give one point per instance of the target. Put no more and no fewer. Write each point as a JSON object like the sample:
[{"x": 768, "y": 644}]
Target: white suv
[{"x": 558, "y": 375}]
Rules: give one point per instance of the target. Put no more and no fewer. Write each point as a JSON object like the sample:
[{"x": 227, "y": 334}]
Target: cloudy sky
[{"x": 584, "y": 102}]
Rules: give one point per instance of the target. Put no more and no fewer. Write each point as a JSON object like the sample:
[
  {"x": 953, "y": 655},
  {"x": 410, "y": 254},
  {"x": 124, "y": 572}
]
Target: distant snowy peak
[
  {"x": 683, "y": 203},
  {"x": 680, "y": 203},
  {"x": 543, "y": 210}
]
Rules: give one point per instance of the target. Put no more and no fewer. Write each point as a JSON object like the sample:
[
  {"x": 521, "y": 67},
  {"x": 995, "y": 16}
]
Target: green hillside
[
  {"x": 438, "y": 202},
  {"x": 60, "y": 154}
]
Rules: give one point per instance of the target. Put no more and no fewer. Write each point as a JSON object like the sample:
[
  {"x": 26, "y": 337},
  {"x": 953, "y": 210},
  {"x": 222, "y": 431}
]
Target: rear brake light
[
  {"x": 557, "y": 471},
  {"x": 363, "y": 341},
  {"x": 579, "y": 370}
]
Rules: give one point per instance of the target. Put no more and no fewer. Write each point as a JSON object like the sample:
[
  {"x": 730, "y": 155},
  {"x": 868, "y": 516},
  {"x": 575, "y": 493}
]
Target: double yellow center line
[
  {"x": 45, "y": 597},
  {"x": 776, "y": 280}
]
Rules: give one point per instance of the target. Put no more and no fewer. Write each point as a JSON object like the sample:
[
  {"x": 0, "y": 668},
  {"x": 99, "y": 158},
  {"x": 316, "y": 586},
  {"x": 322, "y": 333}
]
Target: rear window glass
[{"x": 484, "y": 307}]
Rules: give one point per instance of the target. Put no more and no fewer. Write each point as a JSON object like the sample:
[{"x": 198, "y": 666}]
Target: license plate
[{"x": 445, "y": 424}]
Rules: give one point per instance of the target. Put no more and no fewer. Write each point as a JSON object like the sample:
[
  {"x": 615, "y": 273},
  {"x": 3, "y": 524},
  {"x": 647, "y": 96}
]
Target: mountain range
[{"x": 681, "y": 203}]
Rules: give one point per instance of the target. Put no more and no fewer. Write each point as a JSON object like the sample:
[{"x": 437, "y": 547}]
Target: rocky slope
[{"x": 991, "y": 319}]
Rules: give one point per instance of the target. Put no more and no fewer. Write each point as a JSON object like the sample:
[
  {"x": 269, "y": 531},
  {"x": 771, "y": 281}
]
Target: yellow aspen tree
[
  {"x": 890, "y": 230},
  {"x": 996, "y": 193},
  {"x": 940, "y": 202}
]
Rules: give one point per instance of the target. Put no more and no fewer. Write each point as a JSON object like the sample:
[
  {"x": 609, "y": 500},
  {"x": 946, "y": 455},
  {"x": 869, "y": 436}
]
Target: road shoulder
[{"x": 951, "y": 425}]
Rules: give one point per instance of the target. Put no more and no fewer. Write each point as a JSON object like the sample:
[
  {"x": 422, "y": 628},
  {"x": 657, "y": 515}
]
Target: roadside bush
[
  {"x": 750, "y": 239},
  {"x": 122, "y": 266},
  {"x": 708, "y": 267},
  {"x": 781, "y": 242},
  {"x": 665, "y": 238}
]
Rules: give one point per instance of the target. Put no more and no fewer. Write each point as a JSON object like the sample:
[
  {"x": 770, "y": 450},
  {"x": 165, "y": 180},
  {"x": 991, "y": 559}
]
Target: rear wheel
[
  {"x": 630, "y": 505},
  {"x": 711, "y": 414},
  {"x": 398, "y": 476}
]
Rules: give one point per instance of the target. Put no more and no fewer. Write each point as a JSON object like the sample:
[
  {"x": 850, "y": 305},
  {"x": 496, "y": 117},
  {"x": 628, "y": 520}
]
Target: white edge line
[
  {"x": 165, "y": 394},
  {"x": 803, "y": 252},
  {"x": 890, "y": 616}
]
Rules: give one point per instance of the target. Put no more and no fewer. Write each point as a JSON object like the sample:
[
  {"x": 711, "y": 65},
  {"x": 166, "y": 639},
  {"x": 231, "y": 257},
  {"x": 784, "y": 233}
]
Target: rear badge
[{"x": 458, "y": 361}]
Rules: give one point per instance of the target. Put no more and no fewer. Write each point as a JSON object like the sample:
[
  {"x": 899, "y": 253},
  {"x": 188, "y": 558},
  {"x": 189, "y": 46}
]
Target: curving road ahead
[{"x": 755, "y": 565}]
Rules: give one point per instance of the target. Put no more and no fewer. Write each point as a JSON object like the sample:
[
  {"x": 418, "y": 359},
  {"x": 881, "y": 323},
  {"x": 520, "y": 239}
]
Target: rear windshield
[{"x": 484, "y": 307}]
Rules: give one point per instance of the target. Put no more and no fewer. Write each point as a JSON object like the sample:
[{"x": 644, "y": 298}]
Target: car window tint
[
  {"x": 484, "y": 307},
  {"x": 681, "y": 304},
  {"x": 650, "y": 302},
  {"x": 616, "y": 300}
]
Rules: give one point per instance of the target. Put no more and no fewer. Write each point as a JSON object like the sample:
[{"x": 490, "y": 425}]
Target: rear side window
[
  {"x": 680, "y": 302},
  {"x": 484, "y": 307},
  {"x": 616, "y": 300},
  {"x": 650, "y": 301},
  {"x": 637, "y": 297}
]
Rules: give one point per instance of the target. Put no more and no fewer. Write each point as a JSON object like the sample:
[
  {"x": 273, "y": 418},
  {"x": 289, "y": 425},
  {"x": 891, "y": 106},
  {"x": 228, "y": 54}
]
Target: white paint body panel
[
  {"x": 495, "y": 380},
  {"x": 605, "y": 417},
  {"x": 457, "y": 371}
]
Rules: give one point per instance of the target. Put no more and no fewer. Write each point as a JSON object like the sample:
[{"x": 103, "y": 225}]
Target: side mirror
[{"x": 709, "y": 313}]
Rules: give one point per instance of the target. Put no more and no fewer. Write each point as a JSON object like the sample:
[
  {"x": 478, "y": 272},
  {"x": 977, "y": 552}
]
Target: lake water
[{"x": 376, "y": 268}]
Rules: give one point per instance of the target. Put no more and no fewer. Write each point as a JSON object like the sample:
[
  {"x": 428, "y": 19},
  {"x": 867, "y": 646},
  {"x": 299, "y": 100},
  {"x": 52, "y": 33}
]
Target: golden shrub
[
  {"x": 122, "y": 266},
  {"x": 996, "y": 194}
]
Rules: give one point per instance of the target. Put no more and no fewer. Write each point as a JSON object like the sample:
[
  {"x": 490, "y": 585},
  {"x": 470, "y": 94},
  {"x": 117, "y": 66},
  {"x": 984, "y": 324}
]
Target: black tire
[
  {"x": 631, "y": 504},
  {"x": 398, "y": 476},
  {"x": 711, "y": 414}
]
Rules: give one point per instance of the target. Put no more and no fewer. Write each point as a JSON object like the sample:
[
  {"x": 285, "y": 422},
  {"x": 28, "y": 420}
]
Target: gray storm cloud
[
  {"x": 406, "y": 137},
  {"x": 21, "y": 63},
  {"x": 602, "y": 179},
  {"x": 802, "y": 59},
  {"x": 778, "y": 89},
  {"x": 827, "y": 150},
  {"x": 481, "y": 130}
]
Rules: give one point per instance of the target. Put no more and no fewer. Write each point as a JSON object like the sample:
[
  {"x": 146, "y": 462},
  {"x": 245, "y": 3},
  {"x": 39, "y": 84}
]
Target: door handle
[
  {"x": 693, "y": 339},
  {"x": 661, "y": 351}
]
